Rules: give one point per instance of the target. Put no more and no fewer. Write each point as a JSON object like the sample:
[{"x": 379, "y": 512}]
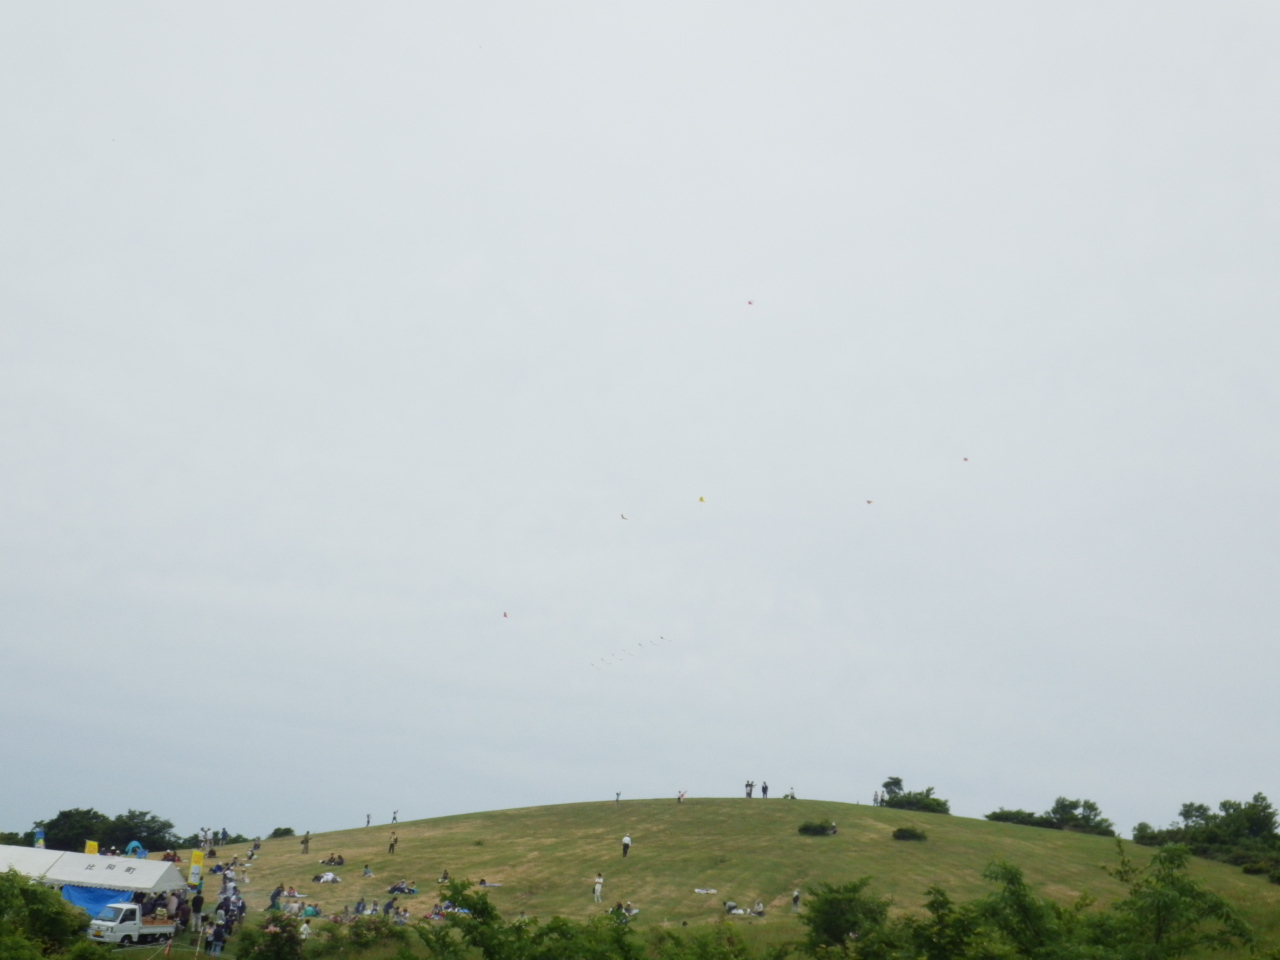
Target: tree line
[
  {"x": 70, "y": 829},
  {"x": 1242, "y": 833}
]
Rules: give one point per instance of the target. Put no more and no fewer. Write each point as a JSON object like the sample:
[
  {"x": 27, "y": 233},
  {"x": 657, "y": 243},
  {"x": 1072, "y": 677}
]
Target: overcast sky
[{"x": 331, "y": 333}]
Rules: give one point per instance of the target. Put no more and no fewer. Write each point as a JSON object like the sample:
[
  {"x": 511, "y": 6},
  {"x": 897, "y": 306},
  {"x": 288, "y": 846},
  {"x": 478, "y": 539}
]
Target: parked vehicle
[{"x": 122, "y": 923}]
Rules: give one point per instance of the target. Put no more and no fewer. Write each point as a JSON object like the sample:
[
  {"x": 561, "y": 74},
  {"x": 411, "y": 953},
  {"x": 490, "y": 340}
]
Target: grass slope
[{"x": 547, "y": 857}]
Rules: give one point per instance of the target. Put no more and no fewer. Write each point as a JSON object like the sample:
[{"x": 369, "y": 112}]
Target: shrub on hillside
[
  {"x": 279, "y": 832},
  {"x": 817, "y": 828},
  {"x": 1239, "y": 833},
  {"x": 909, "y": 833},
  {"x": 922, "y": 801},
  {"x": 1080, "y": 816}
]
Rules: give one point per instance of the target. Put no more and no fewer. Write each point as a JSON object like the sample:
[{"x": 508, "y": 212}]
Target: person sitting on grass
[
  {"x": 758, "y": 909},
  {"x": 367, "y": 871},
  {"x": 444, "y": 877}
]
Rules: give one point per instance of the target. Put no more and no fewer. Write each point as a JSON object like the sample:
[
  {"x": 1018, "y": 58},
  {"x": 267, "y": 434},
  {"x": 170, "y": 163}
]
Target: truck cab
[{"x": 124, "y": 923}]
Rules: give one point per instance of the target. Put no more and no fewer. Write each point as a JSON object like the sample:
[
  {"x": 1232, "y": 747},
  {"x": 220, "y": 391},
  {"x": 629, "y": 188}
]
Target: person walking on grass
[
  {"x": 599, "y": 886},
  {"x": 626, "y": 844},
  {"x": 391, "y": 847}
]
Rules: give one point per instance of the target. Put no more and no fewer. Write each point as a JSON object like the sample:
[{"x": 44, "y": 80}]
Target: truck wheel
[
  {"x": 164, "y": 938},
  {"x": 126, "y": 941}
]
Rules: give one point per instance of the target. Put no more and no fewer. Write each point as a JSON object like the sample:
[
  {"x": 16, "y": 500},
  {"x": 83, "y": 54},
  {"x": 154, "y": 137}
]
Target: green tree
[
  {"x": 892, "y": 786},
  {"x": 844, "y": 917},
  {"x": 35, "y": 920},
  {"x": 1169, "y": 914},
  {"x": 154, "y": 833},
  {"x": 1082, "y": 816},
  {"x": 947, "y": 934},
  {"x": 922, "y": 801},
  {"x": 279, "y": 937},
  {"x": 71, "y": 828}
]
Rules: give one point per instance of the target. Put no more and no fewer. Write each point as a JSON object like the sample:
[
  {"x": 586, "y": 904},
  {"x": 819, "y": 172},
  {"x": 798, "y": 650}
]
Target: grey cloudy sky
[{"x": 332, "y": 332}]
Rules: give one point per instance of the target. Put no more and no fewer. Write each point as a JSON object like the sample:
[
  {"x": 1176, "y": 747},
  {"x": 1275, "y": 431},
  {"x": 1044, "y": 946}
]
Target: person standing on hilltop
[
  {"x": 599, "y": 886},
  {"x": 626, "y": 844},
  {"x": 395, "y": 814},
  {"x": 368, "y": 819},
  {"x": 764, "y": 789},
  {"x": 306, "y": 842}
]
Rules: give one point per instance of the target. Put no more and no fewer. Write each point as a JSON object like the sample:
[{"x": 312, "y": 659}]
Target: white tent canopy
[
  {"x": 88, "y": 870},
  {"x": 33, "y": 861}
]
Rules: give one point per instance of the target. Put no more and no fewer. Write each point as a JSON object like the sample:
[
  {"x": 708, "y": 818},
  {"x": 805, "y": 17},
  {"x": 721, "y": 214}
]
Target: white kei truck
[{"x": 122, "y": 923}]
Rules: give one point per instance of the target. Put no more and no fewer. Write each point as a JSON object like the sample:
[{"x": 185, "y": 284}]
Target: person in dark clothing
[
  {"x": 197, "y": 904},
  {"x": 764, "y": 789},
  {"x": 276, "y": 894},
  {"x": 389, "y": 906}
]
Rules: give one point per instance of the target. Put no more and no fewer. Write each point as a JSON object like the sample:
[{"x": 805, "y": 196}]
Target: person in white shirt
[
  {"x": 599, "y": 885},
  {"x": 305, "y": 930},
  {"x": 626, "y": 844}
]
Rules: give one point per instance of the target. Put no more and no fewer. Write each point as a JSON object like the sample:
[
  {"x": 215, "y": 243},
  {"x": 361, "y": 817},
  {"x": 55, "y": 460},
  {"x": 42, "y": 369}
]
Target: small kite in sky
[
  {"x": 751, "y": 303},
  {"x": 966, "y": 459},
  {"x": 868, "y": 501},
  {"x": 504, "y": 613},
  {"x": 702, "y": 499},
  {"x": 623, "y": 515}
]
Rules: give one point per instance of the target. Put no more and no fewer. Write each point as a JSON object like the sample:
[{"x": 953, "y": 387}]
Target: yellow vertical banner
[
  {"x": 91, "y": 846},
  {"x": 197, "y": 866}
]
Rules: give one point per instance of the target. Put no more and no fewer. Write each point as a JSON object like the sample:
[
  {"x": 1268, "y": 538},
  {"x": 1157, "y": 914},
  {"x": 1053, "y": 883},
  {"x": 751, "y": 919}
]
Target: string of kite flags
[{"x": 615, "y": 658}]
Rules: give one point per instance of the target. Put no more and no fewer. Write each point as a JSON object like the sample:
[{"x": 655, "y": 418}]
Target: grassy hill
[{"x": 546, "y": 859}]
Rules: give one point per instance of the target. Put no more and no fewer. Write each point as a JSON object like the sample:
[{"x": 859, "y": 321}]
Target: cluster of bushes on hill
[
  {"x": 910, "y": 833},
  {"x": 923, "y": 801},
  {"x": 71, "y": 828},
  {"x": 1242, "y": 833},
  {"x": 1165, "y": 914},
  {"x": 1081, "y": 816},
  {"x": 36, "y": 923},
  {"x": 818, "y": 828}
]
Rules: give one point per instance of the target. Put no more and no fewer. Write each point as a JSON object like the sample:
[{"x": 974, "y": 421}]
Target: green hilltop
[{"x": 546, "y": 858}]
